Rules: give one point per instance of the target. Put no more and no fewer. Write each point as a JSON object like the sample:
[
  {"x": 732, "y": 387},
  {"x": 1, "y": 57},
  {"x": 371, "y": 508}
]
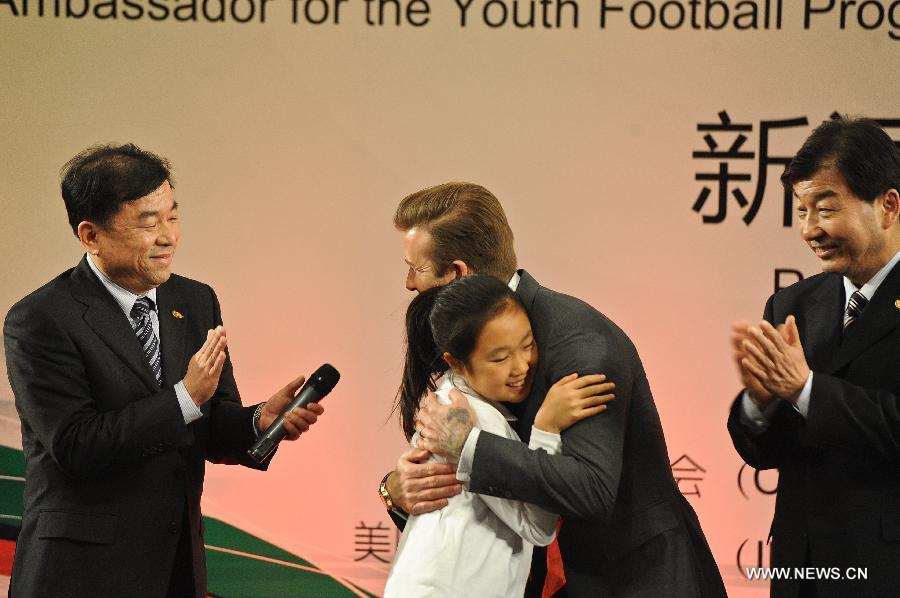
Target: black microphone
[{"x": 315, "y": 389}]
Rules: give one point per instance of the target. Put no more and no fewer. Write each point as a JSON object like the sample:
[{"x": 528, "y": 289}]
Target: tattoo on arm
[{"x": 457, "y": 430}]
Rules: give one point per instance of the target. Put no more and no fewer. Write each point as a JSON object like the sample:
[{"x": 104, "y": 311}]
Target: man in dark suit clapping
[
  {"x": 124, "y": 387},
  {"x": 822, "y": 374}
]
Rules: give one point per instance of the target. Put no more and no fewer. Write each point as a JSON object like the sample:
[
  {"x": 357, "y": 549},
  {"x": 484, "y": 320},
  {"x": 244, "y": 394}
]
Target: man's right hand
[
  {"x": 205, "y": 366},
  {"x": 758, "y": 393},
  {"x": 419, "y": 487}
]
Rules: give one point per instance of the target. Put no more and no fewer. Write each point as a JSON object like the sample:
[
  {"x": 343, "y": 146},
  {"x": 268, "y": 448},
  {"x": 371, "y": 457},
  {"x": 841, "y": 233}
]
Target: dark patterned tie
[
  {"x": 855, "y": 306},
  {"x": 143, "y": 328}
]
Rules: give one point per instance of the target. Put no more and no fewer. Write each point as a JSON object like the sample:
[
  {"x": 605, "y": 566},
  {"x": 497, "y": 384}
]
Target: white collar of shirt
[
  {"x": 514, "y": 281},
  {"x": 451, "y": 379},
  {"x": 124, "y": 298},
  {"x": 868, "y": 289}
]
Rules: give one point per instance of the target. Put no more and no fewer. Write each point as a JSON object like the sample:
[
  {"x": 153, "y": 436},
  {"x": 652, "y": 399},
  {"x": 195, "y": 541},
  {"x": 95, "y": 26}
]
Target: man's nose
[
  {"x": 809, "y": 228},
  {"x": 168, "y": 234}
]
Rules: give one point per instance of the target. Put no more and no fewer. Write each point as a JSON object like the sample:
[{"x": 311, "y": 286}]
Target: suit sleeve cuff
[
  {"x": 189, "y": 409},
  {"x": 754, "y": 418},
  {"x": 802, "y": 404},
  {"x": 467, "y": 456}
]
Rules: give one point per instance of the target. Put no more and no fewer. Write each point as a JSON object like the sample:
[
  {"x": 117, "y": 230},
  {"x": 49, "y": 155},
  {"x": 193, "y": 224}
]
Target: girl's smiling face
[{"x": 501, "y": 367}]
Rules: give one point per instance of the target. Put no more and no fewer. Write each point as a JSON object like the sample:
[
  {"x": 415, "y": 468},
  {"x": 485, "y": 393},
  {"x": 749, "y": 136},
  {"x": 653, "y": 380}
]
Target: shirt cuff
[
  {"x": 189, "y": 409},
  {"x": 802, "y": 404},
  {"x": 467, "y": 456},
  {"x": 753, "y": 417},
  {"x": 546, "y": 440}
]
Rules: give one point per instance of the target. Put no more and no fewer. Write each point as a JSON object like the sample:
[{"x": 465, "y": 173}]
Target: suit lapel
[
  {"x": 879, "y": 318},
  {"x": 106, "y": 319},
  {"x": 823, "y": 320},
  {"x": 171, "y": 332}
]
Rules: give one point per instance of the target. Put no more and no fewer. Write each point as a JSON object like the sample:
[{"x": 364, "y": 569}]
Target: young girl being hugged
[{"x": 474, "y": 335}]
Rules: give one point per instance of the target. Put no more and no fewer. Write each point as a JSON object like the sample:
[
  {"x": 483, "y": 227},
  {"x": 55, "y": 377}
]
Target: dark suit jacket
[
  {"x": 112, "y": 471},
  {"x": 839, "y": 470},
  {"x": 627, "y": 530}
]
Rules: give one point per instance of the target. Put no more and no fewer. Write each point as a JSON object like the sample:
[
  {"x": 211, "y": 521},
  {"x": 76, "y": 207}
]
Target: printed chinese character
[
  {"x": 686, "y": 465},
  {"x": 373, "y": 542},
  {"x": 723, "y": 176},
  {"x": 726, "y": 179},
  {"x": 765, "y": 160}
]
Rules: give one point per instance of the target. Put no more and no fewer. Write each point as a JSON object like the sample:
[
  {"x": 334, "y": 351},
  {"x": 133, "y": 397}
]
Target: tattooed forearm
[{"x": 454, "y": 434}]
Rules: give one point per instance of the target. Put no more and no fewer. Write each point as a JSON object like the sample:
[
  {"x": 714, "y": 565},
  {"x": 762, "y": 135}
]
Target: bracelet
[{"x": 257, "y": 414}]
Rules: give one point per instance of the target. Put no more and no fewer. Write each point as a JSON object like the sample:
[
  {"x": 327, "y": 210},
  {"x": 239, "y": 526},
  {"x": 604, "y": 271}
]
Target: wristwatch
[
  {"x": 385, "y": 495},
  {"x": 257, "y": 414}
]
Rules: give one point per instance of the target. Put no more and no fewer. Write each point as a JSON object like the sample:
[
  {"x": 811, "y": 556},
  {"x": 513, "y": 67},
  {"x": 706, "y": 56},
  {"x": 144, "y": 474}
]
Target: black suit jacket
[
  {"x": 112, "y": 471},
  {"x": 838, "y": 501},
  {"x": 627, "y": 530}
]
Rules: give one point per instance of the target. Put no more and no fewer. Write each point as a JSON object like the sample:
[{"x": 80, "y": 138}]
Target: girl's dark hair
[{"x": 445, "y": 319}]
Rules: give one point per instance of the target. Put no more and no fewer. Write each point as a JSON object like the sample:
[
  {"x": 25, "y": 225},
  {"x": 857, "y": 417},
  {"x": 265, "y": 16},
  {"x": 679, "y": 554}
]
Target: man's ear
[
  {"x": 87, "y": 234},
  {"x": 460, "y": 269},
  {"x": 890, "y": 206},
  {"x": 456, "y": 365}
]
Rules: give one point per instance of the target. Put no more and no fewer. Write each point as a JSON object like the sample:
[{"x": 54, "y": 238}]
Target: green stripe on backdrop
[
  {"x": 242, "y": 573},
  {"x": 11, "y": 501},
  {"x": 239, "y": 564},
  {"x": 12, "y": 462},
  {"x": 12, "y": 465}
]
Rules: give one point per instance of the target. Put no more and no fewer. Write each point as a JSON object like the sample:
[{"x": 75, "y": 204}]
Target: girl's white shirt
[{"x": 477, "y": 545}]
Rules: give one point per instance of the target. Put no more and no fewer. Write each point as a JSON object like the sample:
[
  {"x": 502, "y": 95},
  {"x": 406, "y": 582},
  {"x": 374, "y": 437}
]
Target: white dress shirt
[
  {"x": 125, "y": 299},
  {"x": 477, "y": 545},
  {"x": 758, "y": 419}
]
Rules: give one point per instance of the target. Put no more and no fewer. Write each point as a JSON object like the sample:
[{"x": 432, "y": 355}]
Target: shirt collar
[
  {"x": 124, "y": 298},
  {"x": 868, "y": 289},
  {"x": 513, "y": 283}
]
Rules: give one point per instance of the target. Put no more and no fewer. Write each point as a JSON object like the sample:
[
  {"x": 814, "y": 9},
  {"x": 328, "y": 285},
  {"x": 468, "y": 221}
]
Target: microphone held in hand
[{"x": 318, "y": 385}]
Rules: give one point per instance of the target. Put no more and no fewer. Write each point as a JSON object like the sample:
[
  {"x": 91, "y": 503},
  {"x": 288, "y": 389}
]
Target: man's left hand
[
  {"x": 443, "y": 429},
  {"x": 776, "y": 359},
  {"x": 298, "y": 420}
]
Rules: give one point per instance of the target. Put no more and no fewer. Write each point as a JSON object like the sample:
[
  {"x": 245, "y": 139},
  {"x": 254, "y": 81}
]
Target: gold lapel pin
[
  {"x": 897, "y": 303},
  {"x": 178, "y": 314}
]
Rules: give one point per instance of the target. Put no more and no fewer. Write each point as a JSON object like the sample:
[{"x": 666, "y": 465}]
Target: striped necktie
[
  {"x": 855, "y": 306},
  {"x": 143, "y": 328}
]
